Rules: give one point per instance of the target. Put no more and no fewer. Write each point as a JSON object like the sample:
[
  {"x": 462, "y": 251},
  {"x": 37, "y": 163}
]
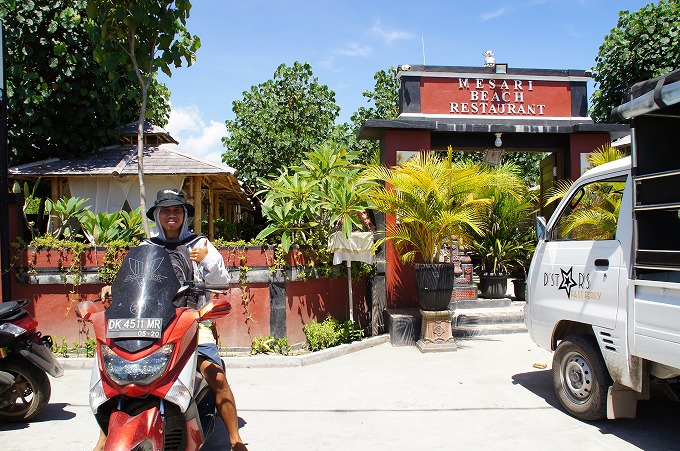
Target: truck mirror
[{"x": 540, "y": 228}]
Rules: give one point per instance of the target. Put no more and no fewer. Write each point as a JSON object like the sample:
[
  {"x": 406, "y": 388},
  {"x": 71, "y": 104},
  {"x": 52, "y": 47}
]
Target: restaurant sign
[{"x": 512, "y": 97}]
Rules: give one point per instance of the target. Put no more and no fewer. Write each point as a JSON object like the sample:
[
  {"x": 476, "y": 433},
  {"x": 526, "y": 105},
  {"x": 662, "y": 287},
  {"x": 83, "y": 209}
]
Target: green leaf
[{"x": 285, "y": 241}]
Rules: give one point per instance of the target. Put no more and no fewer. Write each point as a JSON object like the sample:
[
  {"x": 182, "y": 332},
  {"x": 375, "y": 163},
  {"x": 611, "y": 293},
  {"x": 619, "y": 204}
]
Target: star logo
[
  {"x": 145, "y": 270},
  {"x": 567, "y": 282}
]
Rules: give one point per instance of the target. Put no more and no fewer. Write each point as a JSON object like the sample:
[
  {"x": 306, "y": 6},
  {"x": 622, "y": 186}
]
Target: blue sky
[{"x": 348, "y": 41}]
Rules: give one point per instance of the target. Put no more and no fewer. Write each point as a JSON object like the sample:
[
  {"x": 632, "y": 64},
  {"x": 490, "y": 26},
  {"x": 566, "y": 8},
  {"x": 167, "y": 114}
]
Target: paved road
[{"x": 487, "y": 395}]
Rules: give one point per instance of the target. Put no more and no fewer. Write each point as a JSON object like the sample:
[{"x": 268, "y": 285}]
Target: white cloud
[
  {"x": 195, "y": 137},
  {"x": 514, "y": 8},
  {"x": 184, "y": 118},
  {"x": 493, "y": 14},
  {"x": 390, "y": 35},
  {"x": 356, "y": 49}
]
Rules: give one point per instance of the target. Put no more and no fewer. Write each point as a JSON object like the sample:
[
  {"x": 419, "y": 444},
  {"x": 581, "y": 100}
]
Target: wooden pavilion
[{"x": 108, "y": 177}]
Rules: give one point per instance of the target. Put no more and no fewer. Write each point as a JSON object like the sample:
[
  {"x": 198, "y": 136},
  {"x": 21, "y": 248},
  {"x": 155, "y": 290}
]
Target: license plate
[{"x": 134, "y": 328}]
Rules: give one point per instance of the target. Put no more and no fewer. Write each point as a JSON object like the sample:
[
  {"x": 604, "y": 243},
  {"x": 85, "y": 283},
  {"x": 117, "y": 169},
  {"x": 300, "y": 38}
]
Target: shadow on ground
[
  {"x": 219, "y": 439},
  {"x": 53, "y": 412},
  {"x": 654, "y": 428}
]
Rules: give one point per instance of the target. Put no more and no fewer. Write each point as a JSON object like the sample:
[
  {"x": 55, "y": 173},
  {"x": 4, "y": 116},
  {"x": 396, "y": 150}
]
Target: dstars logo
[
  {"x": 567, "y": 282},
  {"x": 575, "y": 285}
]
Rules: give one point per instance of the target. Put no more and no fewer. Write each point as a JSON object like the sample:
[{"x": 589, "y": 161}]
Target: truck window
[{"x": 592, "y": 212}]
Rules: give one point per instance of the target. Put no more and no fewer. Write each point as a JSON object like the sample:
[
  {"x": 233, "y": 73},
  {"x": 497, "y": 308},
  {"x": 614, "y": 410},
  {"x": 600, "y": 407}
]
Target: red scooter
[{"x": 145, "y": 391}]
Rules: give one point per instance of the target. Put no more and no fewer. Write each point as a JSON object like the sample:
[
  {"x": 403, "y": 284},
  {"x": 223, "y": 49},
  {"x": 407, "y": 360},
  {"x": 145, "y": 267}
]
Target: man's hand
[
  {"x": 105, "y": 295},
  {"x": 197, "y": 254}
]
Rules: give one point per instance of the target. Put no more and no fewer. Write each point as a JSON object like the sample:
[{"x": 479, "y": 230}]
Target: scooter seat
[{"x": 9, "y": 309}]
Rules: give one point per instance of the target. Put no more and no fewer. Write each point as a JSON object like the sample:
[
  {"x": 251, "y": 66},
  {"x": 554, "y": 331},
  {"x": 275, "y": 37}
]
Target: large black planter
[
  {"x": 434, "y": 282},
  {"x": 493, "y": 286}
]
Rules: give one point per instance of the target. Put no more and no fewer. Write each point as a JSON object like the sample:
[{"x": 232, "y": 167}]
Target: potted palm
[
  {"x": 433, "y": 199},
  {"x": 502, "y": 243},
  {"x": 526, "y": 239}
]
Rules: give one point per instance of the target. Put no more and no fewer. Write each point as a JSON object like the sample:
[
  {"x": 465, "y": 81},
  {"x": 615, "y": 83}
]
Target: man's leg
[
  {"x": 224, "y": 398},
  {"x": 100, "y": 442}
]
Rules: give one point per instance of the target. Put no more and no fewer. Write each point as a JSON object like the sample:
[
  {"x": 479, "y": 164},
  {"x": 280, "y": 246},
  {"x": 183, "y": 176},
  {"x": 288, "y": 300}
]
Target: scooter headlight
[{"x": 141, "y": 372}]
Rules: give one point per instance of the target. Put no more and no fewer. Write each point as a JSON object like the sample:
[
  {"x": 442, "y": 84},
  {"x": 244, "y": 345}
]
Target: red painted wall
[
  {"x": 53, "y": 307},
  {"x": 584, "y": 143},
  {"x": 319, "y": 298},
  {"x": 52, "y": 304},
  {"x": 249, "y": 317}
]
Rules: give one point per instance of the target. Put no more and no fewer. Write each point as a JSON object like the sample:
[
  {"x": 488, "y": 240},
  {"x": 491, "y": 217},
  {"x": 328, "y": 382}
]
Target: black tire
[
  {"x": 31, "y": 390},
  {"x": 580, "y": 377}
]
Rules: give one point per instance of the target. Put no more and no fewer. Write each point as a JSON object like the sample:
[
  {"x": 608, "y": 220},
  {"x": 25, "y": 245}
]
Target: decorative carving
[
  {"x": 463, "y": 288},
  {"x": 436, "y": 326}
]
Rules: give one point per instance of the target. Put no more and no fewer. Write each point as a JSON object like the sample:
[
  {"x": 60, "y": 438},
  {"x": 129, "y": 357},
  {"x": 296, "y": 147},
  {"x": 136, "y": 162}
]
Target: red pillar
[
  {"x": 400, "y": 278},
  {"x": 582, "y": 144}
]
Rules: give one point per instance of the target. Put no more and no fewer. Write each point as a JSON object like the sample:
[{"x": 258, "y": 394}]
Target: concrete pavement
[{"x": 486, "y": 395}]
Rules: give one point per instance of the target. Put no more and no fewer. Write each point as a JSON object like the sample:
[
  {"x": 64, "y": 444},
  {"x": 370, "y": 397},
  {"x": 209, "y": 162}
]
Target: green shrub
[
  {"x": 330, "y": 332},
  {"x": 262, "y": 345},
  {"x": 90, "y": 347},
  {"x": 282, "y": 347},
  {"x": 268, "y": 344},
  {"x": 349, "y": 333},
  {"x": 103, "y": 228},
  {"x": 321, "y": 335}
]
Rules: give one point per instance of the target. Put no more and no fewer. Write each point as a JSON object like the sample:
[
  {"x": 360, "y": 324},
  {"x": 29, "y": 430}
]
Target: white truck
[{"x": 603, "y": 290}]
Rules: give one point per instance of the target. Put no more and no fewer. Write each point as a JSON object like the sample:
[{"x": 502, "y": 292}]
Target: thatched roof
[{"x": 122, "y": 160}]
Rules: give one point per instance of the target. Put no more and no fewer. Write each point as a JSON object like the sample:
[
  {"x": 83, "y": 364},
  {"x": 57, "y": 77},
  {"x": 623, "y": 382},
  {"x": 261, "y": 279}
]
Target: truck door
[{"x": 577, "y": 269}]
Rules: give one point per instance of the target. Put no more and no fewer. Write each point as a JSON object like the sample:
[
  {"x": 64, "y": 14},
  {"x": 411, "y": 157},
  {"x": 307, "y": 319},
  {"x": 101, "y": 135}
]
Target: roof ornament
[{"x": 489, "y": 59}]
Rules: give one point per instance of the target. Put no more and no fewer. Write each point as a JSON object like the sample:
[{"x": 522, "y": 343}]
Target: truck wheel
[
  {"x": 580, "y": 377},
  {"x": 31, "y": 391}
]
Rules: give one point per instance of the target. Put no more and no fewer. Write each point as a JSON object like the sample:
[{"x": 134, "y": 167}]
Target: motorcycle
[
  {"x": 25, "y": 361},
  {"x": 145, "y": 390}
]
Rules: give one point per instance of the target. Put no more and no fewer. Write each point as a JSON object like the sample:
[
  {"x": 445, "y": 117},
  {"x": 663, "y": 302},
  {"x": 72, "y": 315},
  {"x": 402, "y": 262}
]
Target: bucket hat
[{"x": 168, "y": 197}]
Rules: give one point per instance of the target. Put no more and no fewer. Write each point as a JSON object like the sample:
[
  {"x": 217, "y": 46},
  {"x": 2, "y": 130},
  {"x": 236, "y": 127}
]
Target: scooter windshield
[{"x": 141, "y": 298}]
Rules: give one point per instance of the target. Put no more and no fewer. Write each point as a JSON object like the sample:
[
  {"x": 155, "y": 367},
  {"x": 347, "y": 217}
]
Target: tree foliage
[
  {"x": 645, "y": 44},
  {"x": 277, "y": 122},
  {"x": 60, "y": 102},
  {"x": 383, "y": 104},
  {"x": 528, "y": 162},
  {"x": 143, "y": 36},
  {"x": 506, "y": 241},
  {"x": 307, "y": 203}
]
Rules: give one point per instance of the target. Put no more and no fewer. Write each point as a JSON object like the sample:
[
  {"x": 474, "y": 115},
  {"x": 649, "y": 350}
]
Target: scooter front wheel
[
  {"x": 30, "y": 393},
  {"x": 144, "y": 446}
]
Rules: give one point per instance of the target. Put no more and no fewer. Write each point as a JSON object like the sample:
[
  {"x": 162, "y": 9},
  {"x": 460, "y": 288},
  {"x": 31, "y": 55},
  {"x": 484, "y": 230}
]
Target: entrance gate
[{"x": 478, "y": 108}]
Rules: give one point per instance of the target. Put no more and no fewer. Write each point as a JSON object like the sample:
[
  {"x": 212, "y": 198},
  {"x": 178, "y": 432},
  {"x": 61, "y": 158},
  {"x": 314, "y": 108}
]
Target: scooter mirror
[
  {"x": 85, "y": 309},
  {"x": 217, "y": 308}
]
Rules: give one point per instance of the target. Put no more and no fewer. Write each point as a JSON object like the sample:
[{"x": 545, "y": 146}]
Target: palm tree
[
  {"x": 595, "y": 215},
  {"x": 604, "y": 154},
  {"x": 503, "y": 244},
  {"x": 434, "y": 199}
]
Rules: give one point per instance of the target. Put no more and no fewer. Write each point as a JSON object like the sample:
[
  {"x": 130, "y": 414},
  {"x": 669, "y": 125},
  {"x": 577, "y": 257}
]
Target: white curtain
[{"x": 108, "y": 194}]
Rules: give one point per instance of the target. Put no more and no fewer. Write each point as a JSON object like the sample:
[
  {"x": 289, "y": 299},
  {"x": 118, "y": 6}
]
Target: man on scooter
[{"x": 171, "y": 212}]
